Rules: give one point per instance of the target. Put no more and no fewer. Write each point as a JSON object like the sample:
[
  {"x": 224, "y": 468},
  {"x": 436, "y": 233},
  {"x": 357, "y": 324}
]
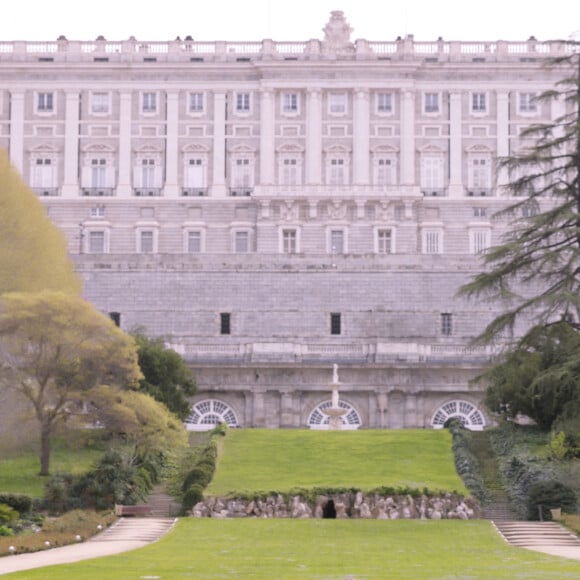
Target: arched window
[
  {"x": 318, "y": 420},
  {"x": 206, "y": 414},
  {"x": 471, "y": 417}
]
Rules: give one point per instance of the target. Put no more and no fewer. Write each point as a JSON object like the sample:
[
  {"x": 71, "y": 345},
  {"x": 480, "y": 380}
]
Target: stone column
[
  {"x": 408, "y": 138},
  {"x": 171, "y": 188},
  {"x": 411, "y": 411},
  {"x": 70, "y": 184},
  {"x": 259, "y": 415},
  {"x": 267, "y": 153},
  {"x": 17, "y": 130},
  {"x": 455, "y": 146},
  {"x": 361, "y": 138},
  {"x": 313, "y": 154},
  {"x": 503, "y": 143},
  {"x": 286, "y": 409},
  {"x": 218, "y": 186},
  {"x": 125, "y": 114}
]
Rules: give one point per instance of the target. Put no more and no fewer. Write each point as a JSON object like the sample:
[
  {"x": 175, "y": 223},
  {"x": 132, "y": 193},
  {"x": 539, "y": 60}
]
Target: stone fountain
[{"x": 335, "y": 412}]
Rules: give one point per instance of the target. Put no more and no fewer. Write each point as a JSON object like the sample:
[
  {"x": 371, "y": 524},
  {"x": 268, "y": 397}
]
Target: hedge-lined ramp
[{"x": 258, "y": 460}]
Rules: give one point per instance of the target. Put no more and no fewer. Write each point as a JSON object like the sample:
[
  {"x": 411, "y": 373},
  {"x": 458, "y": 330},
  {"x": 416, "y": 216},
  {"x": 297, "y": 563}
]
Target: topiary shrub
[
  {"x": 192, "y": 496},
  {"x": 550, "y": 494},
  {"x": 197, "y": 476}
]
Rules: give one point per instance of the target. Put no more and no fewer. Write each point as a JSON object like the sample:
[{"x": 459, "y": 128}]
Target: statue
[
  {"x": 337, "y": 34},
  {"x": 335, "y": 380}
]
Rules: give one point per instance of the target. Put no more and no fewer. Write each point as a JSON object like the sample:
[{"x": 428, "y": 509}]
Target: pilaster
[
  {"x": 314, "y": 137},
  {"x": 408, "y": 138},
  {"x": 171, "y": 188},
  {"x": 218, "y": 186},
  {"x": 361, "y": 138},
  {"x": 503, "y": 144},
  {"x": 17, "y": 130},
  {"x": 267, "y": 151},
  {"x": 125, "y": 114},
  {"x": 455, "y": 146}
]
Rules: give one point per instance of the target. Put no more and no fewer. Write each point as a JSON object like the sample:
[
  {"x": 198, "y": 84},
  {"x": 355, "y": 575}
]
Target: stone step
[
  {"x": 136, "y": 529},
  {"x": 530, "y": 534}
]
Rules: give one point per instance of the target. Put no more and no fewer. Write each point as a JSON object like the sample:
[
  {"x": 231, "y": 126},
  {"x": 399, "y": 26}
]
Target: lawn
[
  {"x": 281, "y": 459},
  {"x": 322, "y": 549},
  {"x": 19, "y": 474}
]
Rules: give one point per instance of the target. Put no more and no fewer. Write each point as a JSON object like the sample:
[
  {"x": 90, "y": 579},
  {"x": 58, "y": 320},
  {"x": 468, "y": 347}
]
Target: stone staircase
[
  {"x": 498, "y": 507},
  {"x": 161, "y": 504},
  {"x": 135, "y": 530},
  {"x": 534, "y": 534}
]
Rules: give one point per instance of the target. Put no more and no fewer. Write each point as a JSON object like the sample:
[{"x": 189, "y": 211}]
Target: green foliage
[
  {"x": 33, "y": 251},
  {"x": 540, "y": 378},
  {"x": 17, "y": 501},
  {"x": 546, "y": 495},
  {"x": 192, "y": 496},
  {"x": 6, "y": 531},
  {"x": 557, "y": 445},
  {"x": 7, "y": 514},
  {"x": 466, "y": 463},
  {"x": 54, "y": 347},
  {"x": 166, "y": 377}
]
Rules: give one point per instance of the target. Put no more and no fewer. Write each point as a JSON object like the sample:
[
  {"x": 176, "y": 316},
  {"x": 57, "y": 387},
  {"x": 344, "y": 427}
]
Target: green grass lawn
[
  {"x": 19, "y": 474},
  {"x": 322, "y": 549},
  {"x": 281, "y": 459}
]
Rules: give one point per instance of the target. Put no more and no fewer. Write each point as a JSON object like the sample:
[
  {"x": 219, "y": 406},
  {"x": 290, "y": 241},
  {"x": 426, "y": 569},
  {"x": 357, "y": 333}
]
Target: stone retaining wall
[{"x": 343, "y": 505}]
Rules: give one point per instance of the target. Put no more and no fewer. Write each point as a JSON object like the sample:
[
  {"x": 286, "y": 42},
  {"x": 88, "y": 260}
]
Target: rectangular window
[
  {"x": 432, "y": 175},
  {"x": 337, "y": 103},
  {"x": 335, "y": 323},
  {"x": 432, "y": 242},
  {"x": 290, "y": 172},
  {"x": 431, "y": 102},
  {"x": 196, "y": 102},
  {"x": 98, "y": 173},
  {"x": 478, "y": 103},
  {"x": 243, "y": 102},
  {"x": 384, "y": 171},
  {"x": 337, "y": 241},
  {"x": 446, "y": 324},
  {"x": 96, "y": 243},
  {"x": 479, "y": 212},
  {"x": 100, "y": 103},
  {"x": 242, "y": 242},
  {"x": 479, "y": 174},
  {"x": 43, "y": 173},
  {"x": 97, "y": 211},
  {"x": 149, "y": 102},
  {"x": 147, "y": 173},
  {"x": 290, "y": 103},
  {"x": 527, "y": 103},
  {"x": 384, "y": 241},
  {"x": 194, "y": 242},
  {"x": 225, "y": 323},
  {"x": 289, "y": 241},
  {"x": 337, "y": 172},
  {"x": 146, "y": 242},
  {"x": 45, "y": 102},
  {"x": 384, "y": 103},
  {"x": 480, "y": 241}
]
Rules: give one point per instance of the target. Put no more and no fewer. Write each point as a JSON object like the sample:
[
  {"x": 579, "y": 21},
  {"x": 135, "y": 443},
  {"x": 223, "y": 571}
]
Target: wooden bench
[{"x": 132, "y": 510}]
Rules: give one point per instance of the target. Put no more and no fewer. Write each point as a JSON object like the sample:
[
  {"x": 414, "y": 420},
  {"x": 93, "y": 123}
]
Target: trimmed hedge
[
  {"x": 547, "y": 495},
  {"x": 17, "y": 501}
]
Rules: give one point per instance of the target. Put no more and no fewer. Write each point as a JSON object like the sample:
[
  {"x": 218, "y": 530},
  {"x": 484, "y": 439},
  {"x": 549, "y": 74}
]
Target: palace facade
[{"x": 274, "y": 208}]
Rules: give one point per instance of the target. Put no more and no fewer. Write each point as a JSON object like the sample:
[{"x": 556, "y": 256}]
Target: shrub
[
  {"x": 197, "y": 476},
  {"x": 547, "y": 495},
  {"x": 7, "y": 514},
  {"x": 192, "y": 496},
  {"x": 6, "y": 531},
  {"x": 17, "y": 501}
]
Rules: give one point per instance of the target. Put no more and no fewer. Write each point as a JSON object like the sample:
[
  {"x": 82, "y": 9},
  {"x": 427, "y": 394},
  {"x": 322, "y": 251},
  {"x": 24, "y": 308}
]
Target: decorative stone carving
[{"x": 337, "y": 34}]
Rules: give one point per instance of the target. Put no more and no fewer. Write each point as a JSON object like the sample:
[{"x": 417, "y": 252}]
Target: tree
[
  {"x": 535, "y": 271},
  {"x": 54, "y": 347},
  {"x": 33, "y": 253},
  {"x": 166, "y": 377}
]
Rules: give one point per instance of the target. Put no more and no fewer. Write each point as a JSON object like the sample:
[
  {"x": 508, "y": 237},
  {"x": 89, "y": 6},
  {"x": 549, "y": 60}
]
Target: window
[
  {"x": 432, "y": 242},
  {"x": 290, "y": 103},
  {"x": 446, "y": 324},
  {"x": 45, "y": 102},
  {"x": 336, "y": 171},
  {"x": 98, "y": 173},
  {"x": 337, "y": 103},
  {"x": 243, "y": 103},
  {"x": 195, "y": 175},
  {"x": 147, "y": 173},
  {"x": 478, "y": 103},
  {"x": 196, "y": 103},
  {"x": 96, "y": 242},
  {"x": 335, "y": 323},
  {"x": 527, "y": 103},
  {"x": 384, "y": 171},
  {"x": 479, "y": 240},
  {"x": 100, "y": 103},
  {"x": 432, "y": 175},
  {"x": 241, "y": 242},
  {"x": 225, "y": 323},
  {"x": 479, "y": 178},
  {"x": 384, "y": 103},
  {"x": 291, "y": 171},
  {"x": 43, "y": 173},
  {"x": 384, "y": 241},
  {"x": 336, "y": 242},
  {"x": 146, "y": 241},
  {"x": 97, "y": 211},
  {"x": 194, "y": 242},
  {"x": 148, "y": 102},
  {"x": 431, "y": 102},
  {"x": 289, "y": 241},
  {"x": 242, "y": 179},
  {"x": 479, "y": 212}
]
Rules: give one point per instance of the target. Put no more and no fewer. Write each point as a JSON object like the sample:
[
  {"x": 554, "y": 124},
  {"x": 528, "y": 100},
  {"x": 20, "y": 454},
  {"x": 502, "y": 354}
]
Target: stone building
[{"x": 274, "y": 208}]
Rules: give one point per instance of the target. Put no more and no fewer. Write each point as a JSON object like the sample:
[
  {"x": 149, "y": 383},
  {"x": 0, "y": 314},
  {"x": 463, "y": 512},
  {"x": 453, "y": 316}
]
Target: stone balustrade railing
[
  {"x": 406, "y": 49},
  {"x": 286, "y": 352}
]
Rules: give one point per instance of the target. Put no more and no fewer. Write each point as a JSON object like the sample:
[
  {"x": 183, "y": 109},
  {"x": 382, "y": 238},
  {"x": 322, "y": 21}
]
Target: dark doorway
[{"x": 328, "y": 510}]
